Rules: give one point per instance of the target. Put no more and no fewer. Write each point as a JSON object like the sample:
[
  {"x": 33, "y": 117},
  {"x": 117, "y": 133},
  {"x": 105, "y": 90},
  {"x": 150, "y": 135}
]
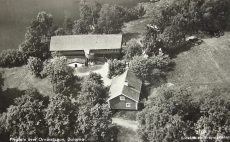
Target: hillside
[
  {"x": 207, "y": 63},
  {"x": 20, "y": 78},
  {"x": 204, "y": 64}
]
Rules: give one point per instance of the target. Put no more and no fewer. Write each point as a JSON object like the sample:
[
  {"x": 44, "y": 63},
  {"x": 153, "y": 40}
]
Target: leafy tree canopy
[
  {"x": 132, "y": 49},
  {"x": 38, "y": 35},
  {"x": 67, "y": 24},
  {"x": 61, "y": 76},
  {"x": 60, "y": 117},
  {"x": 35, "y": 66},
  {"x": 111, "y": 18},
  {"x": 150, "y": 68},
  {"x": 116, "y": 67},
  {"x": 172, "y": 113},
  {"x": 1, "y": 93},
  {"x": 12, "y": 58},
  {"x": 25, "y": 119},
  {"x": 92, "y": 91}
]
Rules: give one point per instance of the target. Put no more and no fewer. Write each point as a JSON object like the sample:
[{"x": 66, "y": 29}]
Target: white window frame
[
  {"x": 122, "y": 98},
  {"x": 128, "y": 104}
]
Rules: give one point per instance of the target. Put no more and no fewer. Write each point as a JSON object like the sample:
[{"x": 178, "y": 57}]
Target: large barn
[
  {"x": 89, "y": 46},
  {"x": 125, "y": 92}
]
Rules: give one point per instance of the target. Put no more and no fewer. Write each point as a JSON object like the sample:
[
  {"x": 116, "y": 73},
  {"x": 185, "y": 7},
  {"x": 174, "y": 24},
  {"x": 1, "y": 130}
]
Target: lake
[{"x": 15, "y": 15}]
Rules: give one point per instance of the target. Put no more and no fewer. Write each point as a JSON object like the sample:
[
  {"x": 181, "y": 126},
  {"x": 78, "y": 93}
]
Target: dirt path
[{"x": 125, "y": 123}]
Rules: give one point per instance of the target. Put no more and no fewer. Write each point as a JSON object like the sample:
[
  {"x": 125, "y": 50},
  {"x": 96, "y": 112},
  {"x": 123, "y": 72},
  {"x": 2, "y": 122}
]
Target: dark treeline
[
  {"x": 95, "y": 18},
  {"x": 172, "y": 21}
]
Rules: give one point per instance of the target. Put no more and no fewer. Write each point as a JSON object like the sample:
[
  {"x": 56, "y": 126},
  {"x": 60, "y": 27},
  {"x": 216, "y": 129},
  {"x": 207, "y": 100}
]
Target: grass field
[
  {"x": 20, "y": 78},
  {"x": 208, "y": 63}
]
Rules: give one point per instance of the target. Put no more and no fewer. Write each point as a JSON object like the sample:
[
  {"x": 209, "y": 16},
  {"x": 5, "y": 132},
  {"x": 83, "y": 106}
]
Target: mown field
[{"x": 208, "y": 63}]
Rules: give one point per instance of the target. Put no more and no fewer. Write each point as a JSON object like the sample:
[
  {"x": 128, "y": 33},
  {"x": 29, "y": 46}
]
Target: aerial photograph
[{"x": 114, "y": 70}]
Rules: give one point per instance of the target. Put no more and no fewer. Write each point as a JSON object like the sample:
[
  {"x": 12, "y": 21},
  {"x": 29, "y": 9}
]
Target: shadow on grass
[
  {"x": 183, "y": 48},
  {"x": 129, "y": 36},
  {"x": 125, "y": 134},
  {"x": 88, "y": 68},
  {"x": 171, "y": 67},
  {"x": 9, "y": 95},
  {"x": 125, "y": 114}
]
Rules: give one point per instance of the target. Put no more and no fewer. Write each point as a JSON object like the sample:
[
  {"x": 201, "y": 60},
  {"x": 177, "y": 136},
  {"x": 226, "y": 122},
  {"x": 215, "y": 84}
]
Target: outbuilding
[{"x": 89, "y": 46}]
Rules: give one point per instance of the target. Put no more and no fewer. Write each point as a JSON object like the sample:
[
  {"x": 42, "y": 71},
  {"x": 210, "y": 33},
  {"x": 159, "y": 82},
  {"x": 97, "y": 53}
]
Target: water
[{"x": 15, "y": 16}]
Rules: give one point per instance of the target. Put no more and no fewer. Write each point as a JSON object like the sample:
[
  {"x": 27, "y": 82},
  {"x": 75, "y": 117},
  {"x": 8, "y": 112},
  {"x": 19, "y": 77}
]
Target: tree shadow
[
  {"x": 171, "y": 67},
  {"x": 146, "y": 89},
  {"x": 183, "y": 48},
  {"x": 128, "y": 36},
  {"x": 9, "y": 95}
]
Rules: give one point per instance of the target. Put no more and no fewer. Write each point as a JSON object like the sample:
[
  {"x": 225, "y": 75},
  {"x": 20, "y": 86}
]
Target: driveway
[
  {"x": 103, "y": 71},
  {"x": 125, "y": 123}
]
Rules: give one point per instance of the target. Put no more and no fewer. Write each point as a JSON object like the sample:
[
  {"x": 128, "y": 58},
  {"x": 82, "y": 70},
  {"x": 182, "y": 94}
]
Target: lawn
[
  {"x": 127, "y": 135},
  {"x": 208, "y": 63},
  {"x": 85, "y": 69},
  {"x": 20, "y": 78}
]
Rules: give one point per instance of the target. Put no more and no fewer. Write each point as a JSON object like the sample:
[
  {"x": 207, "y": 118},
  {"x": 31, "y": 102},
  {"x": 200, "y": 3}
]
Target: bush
[
  {"x": 150, "y": 68},
  {"x": 35, "y": 66},
  {"x": 12, "y": 58},
  {"x": 132, "y": 49},
  {"x": 116, "y": 67}
]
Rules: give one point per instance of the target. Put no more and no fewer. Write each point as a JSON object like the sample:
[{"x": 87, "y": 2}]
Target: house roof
[
  {"x": 85, "y": 42},
  {"x": 131, "y": 91}
]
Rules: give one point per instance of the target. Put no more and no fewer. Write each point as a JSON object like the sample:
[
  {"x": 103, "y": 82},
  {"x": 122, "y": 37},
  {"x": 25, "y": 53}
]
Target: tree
[
  {"x": 61, "y": 76},
  {"x": 25, "y": 119},
  {"x": 92, "y": 91},
  {"x": 38, "y": 35},
  {"x": 60, "y": 117},
  {"x": 96, "y": 120},
  {"x": 59, "y": 32},
  {"x": 174, "y": 112},
  {"x": 215, "y": 121},
  {"x": 132, "y": 49},
  {"x": 4, "y": 134},
  {"x": 116, "y": 67},
  {"x": 89, "y": 14},
  {"x": 94, "y": 115},
  {"x": 135, "y": 13},
  {"x": 67, "y": 24},
  {"x": 111, "y": 18},
  {"x": 80, "y": 27},
  {"x": 172, "y": 38},
  {"x": 12, "y": 58},
  {"x": 167, "y": 115},
  {"x": 1, "y": 93},
  {"x": 35, "y": 66},
  {"x": 214, "y": 15},
  {"x": 150, "y": 68}
]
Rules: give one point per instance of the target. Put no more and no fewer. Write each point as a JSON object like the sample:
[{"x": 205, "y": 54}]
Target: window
[
  {"x": 128, "y": 105},
  {"x": 122, "y": 98}
]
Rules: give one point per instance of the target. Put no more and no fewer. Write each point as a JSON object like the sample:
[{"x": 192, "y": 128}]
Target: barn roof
[
  {"x": 118, "y": 86},
  {"x": 85, "y": 42}
]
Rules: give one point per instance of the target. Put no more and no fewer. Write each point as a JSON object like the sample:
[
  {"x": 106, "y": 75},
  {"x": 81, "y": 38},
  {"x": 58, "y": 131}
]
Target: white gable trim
[{"x": 123, "y": 95}]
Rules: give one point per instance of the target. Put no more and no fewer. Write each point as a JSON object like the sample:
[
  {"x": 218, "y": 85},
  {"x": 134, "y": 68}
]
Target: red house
[{"x": 125, "y": 92}]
